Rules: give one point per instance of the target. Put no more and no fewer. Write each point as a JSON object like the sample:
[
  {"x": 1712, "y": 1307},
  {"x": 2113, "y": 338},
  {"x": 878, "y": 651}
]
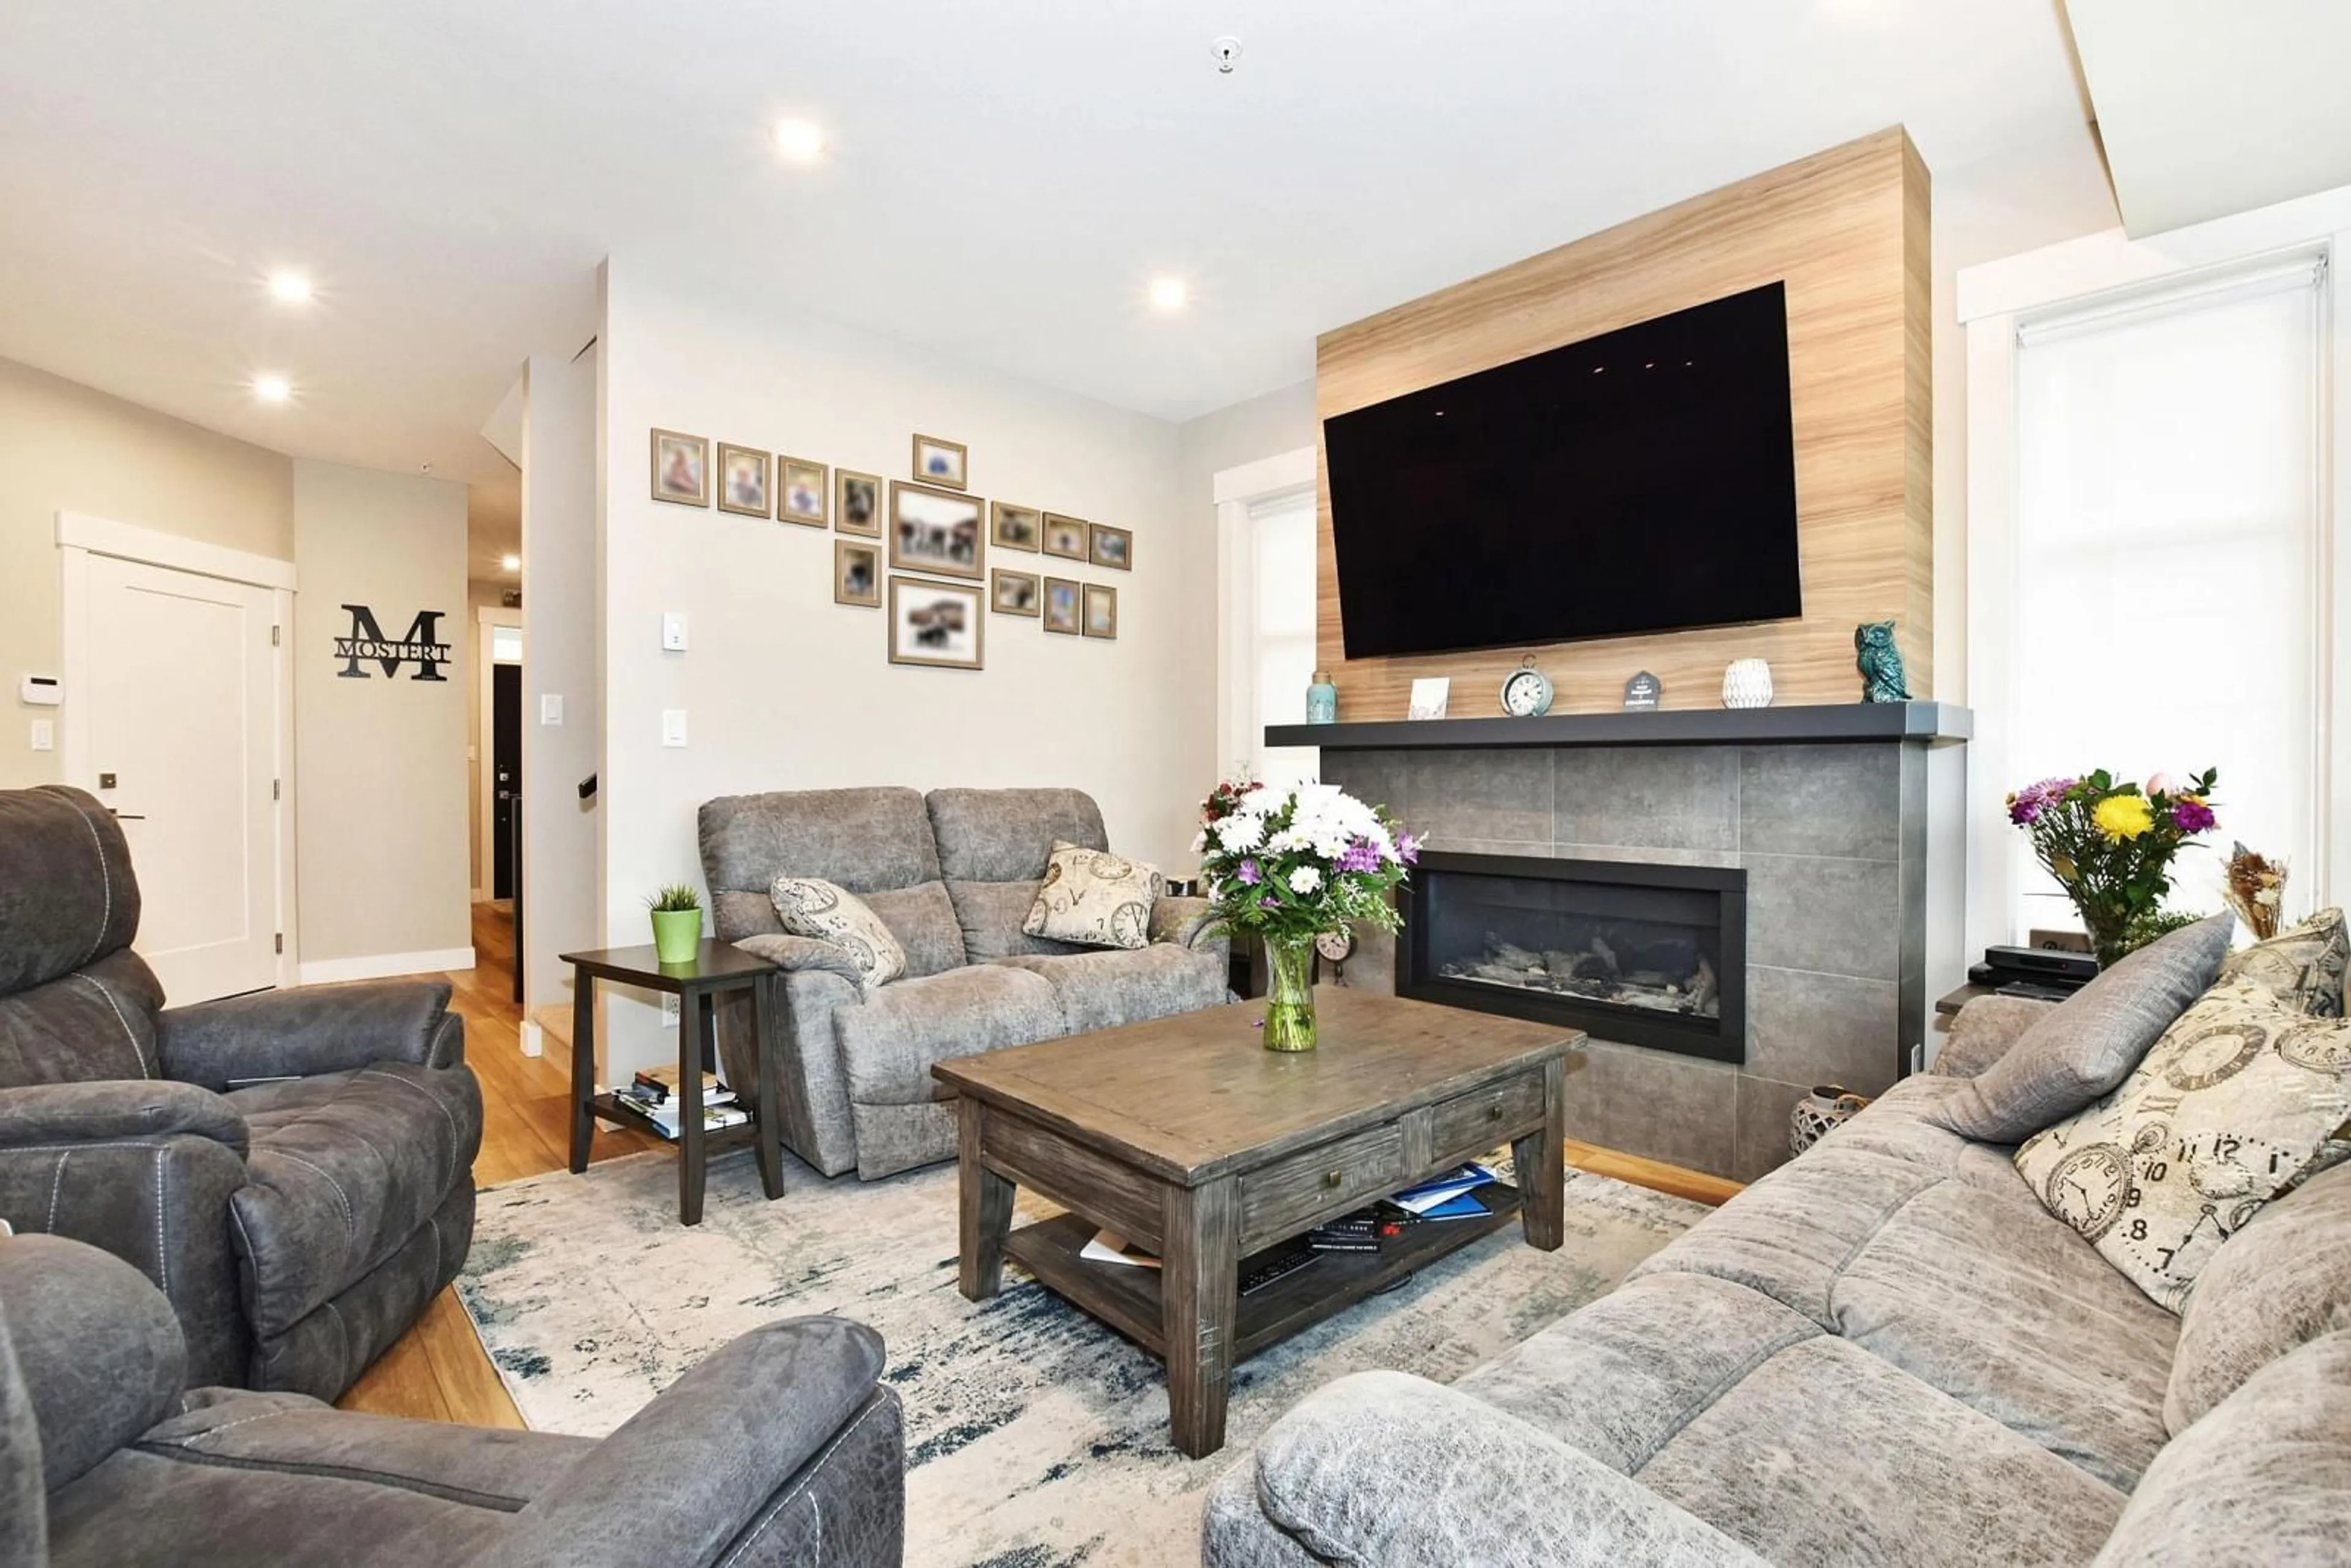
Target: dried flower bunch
[
  {"x": 2110, "y": 846},
  {"x": 2254, "y": 886}
]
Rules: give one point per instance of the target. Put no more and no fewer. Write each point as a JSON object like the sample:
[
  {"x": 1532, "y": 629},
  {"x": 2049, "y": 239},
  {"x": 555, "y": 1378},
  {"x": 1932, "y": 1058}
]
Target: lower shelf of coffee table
[{"x": 1128, "y": 1298}]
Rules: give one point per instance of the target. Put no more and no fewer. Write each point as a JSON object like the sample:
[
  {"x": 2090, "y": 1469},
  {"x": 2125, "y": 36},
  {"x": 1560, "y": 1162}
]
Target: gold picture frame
[
  {"x": 857, "y": 573},
  {"x": 743, "y": 481},
  {"x": 801, "y": 487},
  {"x": 1100, "y": 610},
  {"x": 1065, "y": 536},
  {"x": 1015, "y": 528},
  {"x": 939, "y": 531},
  {"x": 1061, "y": 612},
  {"x": 1016, "y": 593},
  {"x": 681, "y": 468},
  {"x": 938, "y": 461},
  {"x": 1110, "y": 546},
  {"x": 857, "y": 503},
  {"x": 941, "y": 624}
]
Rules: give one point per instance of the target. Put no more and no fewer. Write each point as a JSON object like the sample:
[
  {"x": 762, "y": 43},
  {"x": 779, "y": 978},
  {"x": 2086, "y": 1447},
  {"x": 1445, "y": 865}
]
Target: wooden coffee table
[{"x": 1187, "y": 1137}]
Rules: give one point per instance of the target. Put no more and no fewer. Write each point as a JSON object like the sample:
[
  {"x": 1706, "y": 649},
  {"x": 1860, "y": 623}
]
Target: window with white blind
[
  {"x": 2168, "y": 594},
  {"x": 1282, "y": 630}
]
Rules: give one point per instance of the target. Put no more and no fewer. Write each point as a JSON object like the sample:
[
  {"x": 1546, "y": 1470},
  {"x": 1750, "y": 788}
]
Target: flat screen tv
[{"x": 1640, "y": 480}]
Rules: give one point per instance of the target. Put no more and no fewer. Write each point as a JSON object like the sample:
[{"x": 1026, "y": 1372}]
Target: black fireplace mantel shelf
[{"x": 1913, "y": 723}]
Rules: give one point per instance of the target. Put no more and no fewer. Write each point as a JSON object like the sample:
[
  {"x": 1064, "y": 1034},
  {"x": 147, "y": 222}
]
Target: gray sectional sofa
[
  {"x": 783, "y": 1447},
  {"x": 953, "y": 874},
  {"x": 293, "y": 1169},
  {"x": 1885, "y": 1352}
]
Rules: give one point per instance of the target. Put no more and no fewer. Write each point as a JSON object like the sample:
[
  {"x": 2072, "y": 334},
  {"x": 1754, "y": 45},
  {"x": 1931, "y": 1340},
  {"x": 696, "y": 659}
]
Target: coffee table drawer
[
  {"x": 1472, "y": 1124},
  {"x": 1328, "y": 1179}
]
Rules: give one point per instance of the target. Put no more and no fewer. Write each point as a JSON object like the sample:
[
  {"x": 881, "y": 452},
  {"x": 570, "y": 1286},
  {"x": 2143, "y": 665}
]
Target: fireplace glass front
[{"x": 1647, "y": 955}]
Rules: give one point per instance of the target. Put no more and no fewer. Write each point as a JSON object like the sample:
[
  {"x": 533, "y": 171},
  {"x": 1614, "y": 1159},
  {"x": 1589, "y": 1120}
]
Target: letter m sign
[{"x": 421, "y": 645}]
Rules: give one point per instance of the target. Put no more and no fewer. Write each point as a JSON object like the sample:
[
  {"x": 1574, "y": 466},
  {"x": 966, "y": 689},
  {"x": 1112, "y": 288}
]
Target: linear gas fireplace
[{"x": 1642, "y": 954}]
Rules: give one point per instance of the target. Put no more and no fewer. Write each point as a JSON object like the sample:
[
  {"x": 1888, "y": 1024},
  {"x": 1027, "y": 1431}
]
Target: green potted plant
[{"x": 678, "y": 924}]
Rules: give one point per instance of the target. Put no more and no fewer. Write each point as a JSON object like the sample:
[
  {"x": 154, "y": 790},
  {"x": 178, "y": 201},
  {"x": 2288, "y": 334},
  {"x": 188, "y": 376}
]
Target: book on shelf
[
  {"x": 1109, "y": 1247},
  {"x": 670, "y": 1121}
]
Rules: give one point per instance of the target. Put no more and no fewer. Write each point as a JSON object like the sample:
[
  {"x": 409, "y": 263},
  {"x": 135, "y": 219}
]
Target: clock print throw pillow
[
  {"x": 2303, "y": 968},
  {"x": 1095, "y": 898},
  {"x": 2244, "y": 1097},
  {"x": 810, "y": 907}
]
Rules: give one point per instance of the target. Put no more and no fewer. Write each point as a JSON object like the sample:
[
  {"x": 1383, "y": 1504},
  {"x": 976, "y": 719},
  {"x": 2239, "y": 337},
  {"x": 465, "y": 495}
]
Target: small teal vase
[{"x": 1321, "y": 700}]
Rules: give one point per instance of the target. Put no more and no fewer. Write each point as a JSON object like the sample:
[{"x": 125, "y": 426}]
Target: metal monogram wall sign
[{"x": 421, "y": 645}]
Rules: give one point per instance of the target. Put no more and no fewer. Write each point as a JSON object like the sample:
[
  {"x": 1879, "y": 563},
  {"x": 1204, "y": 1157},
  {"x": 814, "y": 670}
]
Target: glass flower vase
[{"x": 1289, "y": 993}]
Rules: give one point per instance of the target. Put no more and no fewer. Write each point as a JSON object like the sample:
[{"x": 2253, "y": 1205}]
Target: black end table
[{"x": 717, "y": 968}]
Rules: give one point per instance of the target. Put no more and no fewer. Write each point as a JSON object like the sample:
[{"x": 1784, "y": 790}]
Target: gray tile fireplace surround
[{"x": 1836, "y": 841}]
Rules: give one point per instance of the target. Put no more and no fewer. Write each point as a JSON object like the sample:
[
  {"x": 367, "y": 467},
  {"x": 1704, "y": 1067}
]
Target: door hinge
[
  {"x": 281, "y": 943},
  {"x": 273, "y": 636},
  {"x": 273, "y": 789}
]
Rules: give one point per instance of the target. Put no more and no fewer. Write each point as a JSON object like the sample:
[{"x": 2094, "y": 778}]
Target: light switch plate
[
  {"x": 45, "y": 734},
  {"x": 550, "y": 708},
  {"x": 674, "y": 632},
  {"x": 672, "y": 726}
]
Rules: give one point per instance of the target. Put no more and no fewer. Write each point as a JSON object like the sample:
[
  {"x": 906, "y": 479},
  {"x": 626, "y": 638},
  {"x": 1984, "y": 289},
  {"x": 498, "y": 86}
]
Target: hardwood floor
[{"x": 438, "y": 1370}]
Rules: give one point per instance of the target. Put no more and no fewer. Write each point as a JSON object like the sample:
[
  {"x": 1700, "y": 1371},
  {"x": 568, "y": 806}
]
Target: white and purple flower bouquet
[{"x": 1297, "y": 863}]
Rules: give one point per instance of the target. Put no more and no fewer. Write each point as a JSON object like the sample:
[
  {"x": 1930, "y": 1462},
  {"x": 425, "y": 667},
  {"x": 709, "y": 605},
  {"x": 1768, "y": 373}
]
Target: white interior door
[{"x": 179, "y": 703}]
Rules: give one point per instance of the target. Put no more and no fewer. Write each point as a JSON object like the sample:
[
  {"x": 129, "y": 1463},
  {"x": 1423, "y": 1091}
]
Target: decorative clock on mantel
[{"x": 1526, "y": 692}]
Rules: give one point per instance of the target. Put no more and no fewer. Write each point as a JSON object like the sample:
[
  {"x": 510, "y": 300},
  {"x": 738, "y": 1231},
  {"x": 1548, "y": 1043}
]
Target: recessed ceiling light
[
  {"x": 1168, "y": 294},
  {"x": 289, "y": 286},
  {"x": 272, "y": 389},
  {"x": 511, "y": 562},
  {"x": 801, "y": 141}
]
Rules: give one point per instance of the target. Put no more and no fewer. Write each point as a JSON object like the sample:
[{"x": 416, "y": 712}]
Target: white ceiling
[
  {"x": 1004, "y": 179},
  {"x": 2211, "y": 109}
]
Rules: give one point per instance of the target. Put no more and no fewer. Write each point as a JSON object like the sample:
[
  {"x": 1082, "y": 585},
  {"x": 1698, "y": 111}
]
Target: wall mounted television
[{"x": 1643, "y": 480}]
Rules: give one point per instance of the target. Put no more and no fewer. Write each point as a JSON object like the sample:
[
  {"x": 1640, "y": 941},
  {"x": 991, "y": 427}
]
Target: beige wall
[
  {"x": 66, "y": 447},
  {"x": 783, "y": 688},
  {"x": 379, "y": 783}
]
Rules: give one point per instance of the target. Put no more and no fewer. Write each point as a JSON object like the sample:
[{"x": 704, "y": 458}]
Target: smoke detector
[{"x": 1228, "y": 53}]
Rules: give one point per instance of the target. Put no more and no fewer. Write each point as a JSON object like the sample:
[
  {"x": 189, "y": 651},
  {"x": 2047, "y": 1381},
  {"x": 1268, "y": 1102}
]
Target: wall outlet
[
  {"x": 669, "y": 1009},
  {"x": 674, "y": 632}
]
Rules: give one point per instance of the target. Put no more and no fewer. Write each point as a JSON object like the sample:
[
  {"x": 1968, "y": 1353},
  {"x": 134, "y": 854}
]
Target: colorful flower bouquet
[
  {"x": 1291, "y": 866},
  {"x": 2110, "y": 846}
]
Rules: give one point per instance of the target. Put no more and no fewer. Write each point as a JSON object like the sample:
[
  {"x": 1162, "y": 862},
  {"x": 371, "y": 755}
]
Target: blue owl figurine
[{"x": 1880, "y": 661}]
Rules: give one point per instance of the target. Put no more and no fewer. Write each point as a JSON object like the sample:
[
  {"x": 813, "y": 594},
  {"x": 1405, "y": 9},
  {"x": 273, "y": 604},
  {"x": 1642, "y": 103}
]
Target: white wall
[
  {"x": 560, "y": 609},
  {"x": 63, "y": 447},
  {"x": 380, "y": 822},
  {"x": 786, "y": 690}
]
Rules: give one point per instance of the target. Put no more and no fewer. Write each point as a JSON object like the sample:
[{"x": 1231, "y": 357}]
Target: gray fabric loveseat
[
  {"x": 952, "y": 874},
  {"x": 1888, "y": 1351},
  {"x": 782, "y": 1447},
  {"x": 292, "y": 1169}
]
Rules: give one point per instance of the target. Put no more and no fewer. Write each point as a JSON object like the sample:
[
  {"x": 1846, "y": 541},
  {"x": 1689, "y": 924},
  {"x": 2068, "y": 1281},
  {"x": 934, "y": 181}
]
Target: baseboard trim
[{"x": 386, "y": 965}]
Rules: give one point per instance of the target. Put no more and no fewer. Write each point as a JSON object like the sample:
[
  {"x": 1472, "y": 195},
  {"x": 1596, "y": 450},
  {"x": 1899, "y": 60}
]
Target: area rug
[{"x": 1036, "y": 1437}]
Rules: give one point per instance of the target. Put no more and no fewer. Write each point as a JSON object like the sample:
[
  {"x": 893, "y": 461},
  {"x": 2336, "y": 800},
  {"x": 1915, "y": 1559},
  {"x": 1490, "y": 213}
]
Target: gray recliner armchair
[
  {"x": 782, "y": 1447},
  {"x": 292, "y": 1169}
]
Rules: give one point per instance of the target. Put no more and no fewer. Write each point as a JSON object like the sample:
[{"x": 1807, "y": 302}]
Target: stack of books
[
  {"x": 653, "y": 1095},
  {"x": 1453, "y": 1196}
]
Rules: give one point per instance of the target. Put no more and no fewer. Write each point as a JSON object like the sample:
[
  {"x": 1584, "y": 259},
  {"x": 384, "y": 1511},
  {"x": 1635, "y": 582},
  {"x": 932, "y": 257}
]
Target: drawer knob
[
  {"x": 1494, "y": 1111},
  {"x": 1333, "y": 1178}
]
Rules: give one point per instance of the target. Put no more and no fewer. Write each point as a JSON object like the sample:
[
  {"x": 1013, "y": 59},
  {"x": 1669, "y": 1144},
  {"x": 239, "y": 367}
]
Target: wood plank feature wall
[{"x": 1846, "y": 230}]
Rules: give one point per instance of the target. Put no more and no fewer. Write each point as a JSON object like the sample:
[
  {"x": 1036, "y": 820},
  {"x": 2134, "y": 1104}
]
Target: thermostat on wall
[{"x": 42, "y": 691}]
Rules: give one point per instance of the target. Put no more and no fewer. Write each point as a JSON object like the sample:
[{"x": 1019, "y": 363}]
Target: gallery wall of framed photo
[{"x": 905, "y": 620}]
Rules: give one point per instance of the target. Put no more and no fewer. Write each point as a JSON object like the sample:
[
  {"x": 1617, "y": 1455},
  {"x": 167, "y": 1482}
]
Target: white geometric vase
[{"x": 1746, "y": 684}]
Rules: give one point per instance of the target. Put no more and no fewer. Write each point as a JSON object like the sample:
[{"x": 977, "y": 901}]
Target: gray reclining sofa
[
  {"x": 781, "y": 1449},
  {"x": 293, "y": 1169},
  {"x": 952, "y": 874},
  {"x": 1887, "y": 1351}
]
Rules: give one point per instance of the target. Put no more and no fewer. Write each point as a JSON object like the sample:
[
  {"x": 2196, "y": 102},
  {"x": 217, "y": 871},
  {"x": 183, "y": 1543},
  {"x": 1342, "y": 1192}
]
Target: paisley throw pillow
[
  {"x": 2245, "y": 1098},
  {"x": 810, "y": 907},
  {"x": 1095, "y": 899}
]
